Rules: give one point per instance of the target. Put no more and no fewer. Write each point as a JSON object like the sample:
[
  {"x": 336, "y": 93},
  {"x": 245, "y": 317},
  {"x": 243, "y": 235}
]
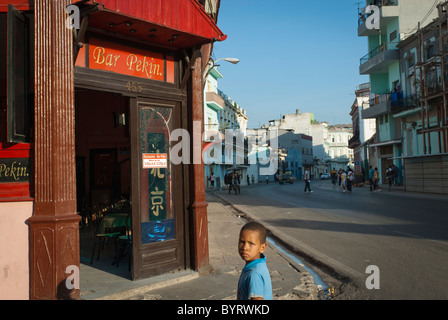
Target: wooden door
[{"x": 157, "y": 198}]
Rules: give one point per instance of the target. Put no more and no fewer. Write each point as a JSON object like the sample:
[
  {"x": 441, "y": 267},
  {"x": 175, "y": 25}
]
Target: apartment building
[
  {"x": 339, "y": 155},
  {"x": 363, "y": 132},
  {"x": 298, "y": 152},
  {"x": 423, "y": 110},
  {"x": 394, "y": 20},
  {"x": 221, "y": 113},
  {"x": 329, "y": 142}
]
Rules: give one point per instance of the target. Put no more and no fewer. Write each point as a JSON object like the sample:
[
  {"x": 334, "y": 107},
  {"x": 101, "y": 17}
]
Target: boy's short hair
[{"x": 256, "y": 226}]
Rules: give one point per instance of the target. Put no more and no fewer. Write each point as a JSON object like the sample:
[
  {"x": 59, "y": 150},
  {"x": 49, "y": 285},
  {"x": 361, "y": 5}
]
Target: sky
[{"x": 294, "y": 54}]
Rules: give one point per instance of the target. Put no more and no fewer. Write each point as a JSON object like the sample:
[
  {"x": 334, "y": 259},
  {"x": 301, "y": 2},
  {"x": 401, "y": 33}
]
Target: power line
[{"x": 426, "y": 17}]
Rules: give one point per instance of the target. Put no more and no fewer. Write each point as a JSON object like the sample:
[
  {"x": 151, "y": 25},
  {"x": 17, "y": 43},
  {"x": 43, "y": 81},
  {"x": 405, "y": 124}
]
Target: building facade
[
  {"x": 340, "y": 156},
  {"x": 395, "y": 21},
  {"x": 363, "y": 133},
  {"x": 139, "y": 69},
  {"x": 329, "y": 143},
  {"x": 298, "y": 152},
  {"x": 423, "y": 110},
  {"x": 225, "y": 121}
]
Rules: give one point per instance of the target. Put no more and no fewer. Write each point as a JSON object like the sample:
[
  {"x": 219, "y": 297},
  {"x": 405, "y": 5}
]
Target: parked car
[
  {"x": 324, "y": 176},
  {"x": 286, "y": 178}
]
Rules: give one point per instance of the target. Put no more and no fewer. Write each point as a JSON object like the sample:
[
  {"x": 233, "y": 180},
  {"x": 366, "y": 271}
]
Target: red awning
[
  {"x": 24, "y": 5},
  {"x": 170, "y": 23}
]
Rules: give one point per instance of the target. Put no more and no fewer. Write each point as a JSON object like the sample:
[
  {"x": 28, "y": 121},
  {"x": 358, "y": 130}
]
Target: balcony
[
  {"x": 379, "y": 59},
  {"x": 388, "y": 10},
  {"x": 214, "y": 101},
  {"x": 383, "y": 104},
  {"x": 354, "y": 142},
  {"x": 407, "y": 106},
  {"x": 379, "y": 105}
]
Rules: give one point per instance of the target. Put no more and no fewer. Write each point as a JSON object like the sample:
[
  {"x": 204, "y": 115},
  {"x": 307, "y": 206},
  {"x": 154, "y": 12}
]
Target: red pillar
[
  {"x": 198, "y": 210},
  {"x": 54, "y": 228}
]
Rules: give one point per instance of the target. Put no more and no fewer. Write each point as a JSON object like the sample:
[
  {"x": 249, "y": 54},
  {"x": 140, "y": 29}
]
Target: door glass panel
[{"x": 157, "y": 214}]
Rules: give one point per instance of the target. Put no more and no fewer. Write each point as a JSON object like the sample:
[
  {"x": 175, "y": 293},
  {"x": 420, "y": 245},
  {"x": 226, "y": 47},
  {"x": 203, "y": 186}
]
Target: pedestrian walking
[
  {"x": 228, "y": 180},
  {"x": 253, "y": 179},
  {"x": 255, "y": 281},
  {"x": 350, "y": 179},
  {"x": 376, "y": 179},
  {"x": 389, "y": 176},
  {"x": 306, "y": 177},
  {"x": 248, "y": 180},
  {"x": 212, "y": 180},
  {"x": 344, "y": 181},
  {"x": 334, "y": 175},
  {"x": 371, "y": 181},
  {"x": 395, "y": 174}
]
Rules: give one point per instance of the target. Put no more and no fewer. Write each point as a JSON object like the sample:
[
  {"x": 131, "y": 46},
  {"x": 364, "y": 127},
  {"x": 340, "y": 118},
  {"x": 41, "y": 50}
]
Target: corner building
[{"x": 85, "y": 122}]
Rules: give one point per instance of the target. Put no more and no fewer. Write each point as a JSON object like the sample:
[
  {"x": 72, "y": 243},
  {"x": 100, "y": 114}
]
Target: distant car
[
  {"x": 286, "y": 178},
  {"x": 324, "y": 176}
]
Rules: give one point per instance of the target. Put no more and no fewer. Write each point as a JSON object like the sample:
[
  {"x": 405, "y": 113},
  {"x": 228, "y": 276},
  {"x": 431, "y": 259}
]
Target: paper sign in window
[{"x": 154, "y": 160}]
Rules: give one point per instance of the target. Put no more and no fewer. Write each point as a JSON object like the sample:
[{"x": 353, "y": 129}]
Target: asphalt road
[{"x": 401, "y": 236}]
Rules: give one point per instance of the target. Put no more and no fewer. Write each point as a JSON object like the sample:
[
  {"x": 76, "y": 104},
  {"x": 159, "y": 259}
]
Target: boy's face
[{"x": 249, "y": 245}]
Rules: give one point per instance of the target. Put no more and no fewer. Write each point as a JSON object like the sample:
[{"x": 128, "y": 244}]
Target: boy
[{"x": 255, "y": 281}]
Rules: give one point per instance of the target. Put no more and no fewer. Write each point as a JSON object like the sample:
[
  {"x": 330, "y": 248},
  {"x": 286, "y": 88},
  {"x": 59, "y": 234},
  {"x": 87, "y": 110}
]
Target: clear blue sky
[{"x": 294, "y": 54}]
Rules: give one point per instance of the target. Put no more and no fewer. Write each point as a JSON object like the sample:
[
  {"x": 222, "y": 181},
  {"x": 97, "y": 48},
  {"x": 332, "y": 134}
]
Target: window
[
  {"x": 410, "y": 61},
  {"x": 429, "y": 51},
  {"x": 19, "y": 97},
  {"x": 393, "y": 36}
]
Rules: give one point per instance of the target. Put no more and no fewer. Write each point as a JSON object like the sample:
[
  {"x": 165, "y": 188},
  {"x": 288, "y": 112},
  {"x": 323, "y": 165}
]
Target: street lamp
[
  {"x": 211, "y": 64},
  {"x": 231, "y": 60}
]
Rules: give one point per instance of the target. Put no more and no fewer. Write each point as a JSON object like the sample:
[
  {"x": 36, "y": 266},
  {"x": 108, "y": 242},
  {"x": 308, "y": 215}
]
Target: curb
[{"x": 343, "y": 273}]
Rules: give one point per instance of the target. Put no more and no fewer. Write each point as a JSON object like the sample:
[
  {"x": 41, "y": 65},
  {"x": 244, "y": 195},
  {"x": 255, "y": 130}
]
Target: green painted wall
[
  {"x": 394, "y": 74},
  {"x": 379, "y": 83}
]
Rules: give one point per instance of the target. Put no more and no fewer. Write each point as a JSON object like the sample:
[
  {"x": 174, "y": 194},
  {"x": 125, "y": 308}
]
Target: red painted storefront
[{"x": 131, "y": 58}]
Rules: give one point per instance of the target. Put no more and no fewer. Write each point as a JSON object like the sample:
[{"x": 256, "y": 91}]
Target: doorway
[
  {"x": 123, "y": 150},
  {"x": 103, "y": 180}
]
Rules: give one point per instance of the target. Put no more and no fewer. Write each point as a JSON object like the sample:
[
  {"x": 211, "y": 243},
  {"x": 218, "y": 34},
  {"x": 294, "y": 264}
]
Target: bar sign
[{"x": 15, "y": 170}]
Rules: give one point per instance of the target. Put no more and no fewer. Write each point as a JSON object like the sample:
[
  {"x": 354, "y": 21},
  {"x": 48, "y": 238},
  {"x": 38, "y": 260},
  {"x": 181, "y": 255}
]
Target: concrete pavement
[{"x": 290, "y": 280}]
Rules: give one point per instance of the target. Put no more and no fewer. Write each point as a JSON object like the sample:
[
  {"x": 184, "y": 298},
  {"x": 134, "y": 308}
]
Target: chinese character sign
[{"x": 157, "y": 216}]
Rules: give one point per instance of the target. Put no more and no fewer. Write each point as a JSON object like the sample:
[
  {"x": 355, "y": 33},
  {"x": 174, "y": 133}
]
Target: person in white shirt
[
  {"x": 306, "y": 177},
  {"x": 212, "y": 180},
  {"x": 350, "y": 179}
]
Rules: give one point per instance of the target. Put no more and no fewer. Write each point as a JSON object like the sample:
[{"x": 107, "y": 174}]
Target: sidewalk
[{"x": 290, "y": 281}]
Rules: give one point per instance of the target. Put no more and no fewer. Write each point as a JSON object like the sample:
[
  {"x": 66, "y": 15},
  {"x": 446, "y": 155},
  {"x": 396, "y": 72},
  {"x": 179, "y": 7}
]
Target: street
[{"x": 403, "y": 235}]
